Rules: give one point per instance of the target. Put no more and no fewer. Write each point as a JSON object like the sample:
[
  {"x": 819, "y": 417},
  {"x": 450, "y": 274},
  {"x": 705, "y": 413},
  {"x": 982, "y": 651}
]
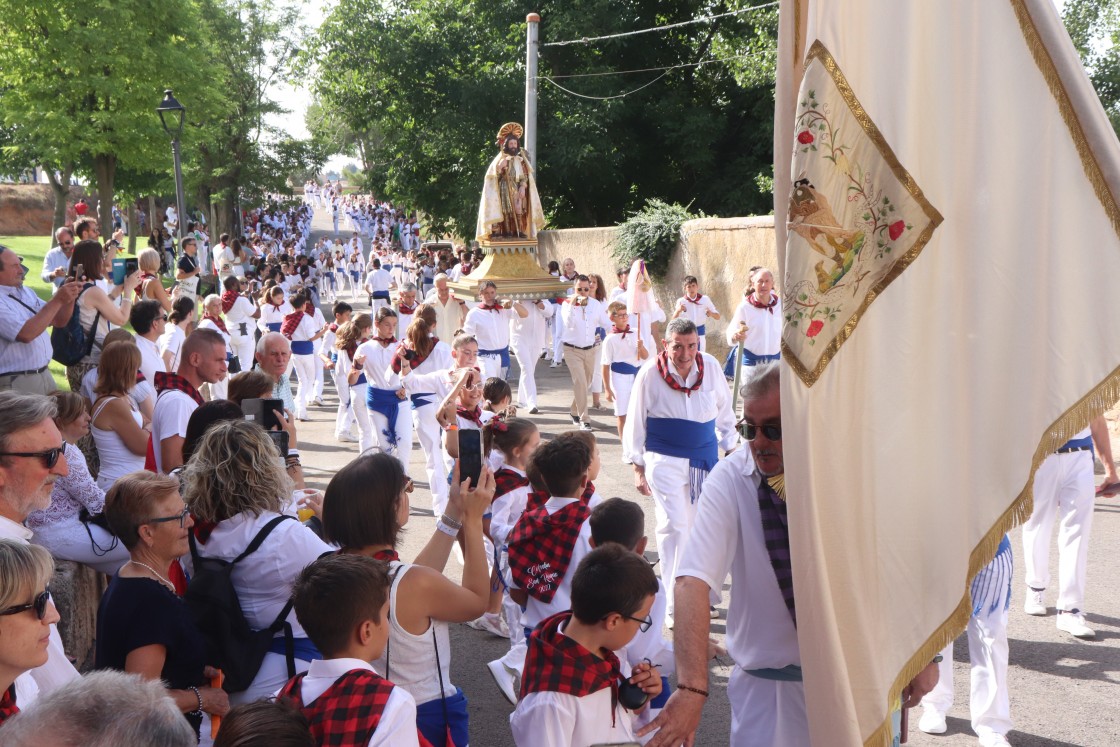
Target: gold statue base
[{"x": 512, "y": 265}]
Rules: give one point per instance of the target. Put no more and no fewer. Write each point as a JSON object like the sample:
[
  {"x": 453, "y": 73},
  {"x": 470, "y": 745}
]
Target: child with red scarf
[
  {"x": 623, "y": 354},
  {"x": 573, "y": 681},
  {"x": 697, "y": 307},
  {"x": 342, "y": 602},
  {"x": 303, "y": 329}
]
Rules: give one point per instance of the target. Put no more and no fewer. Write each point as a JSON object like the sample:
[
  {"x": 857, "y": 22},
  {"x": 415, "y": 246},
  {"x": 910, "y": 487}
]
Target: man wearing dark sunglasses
[
  {"x": 31, "y": 459},
  {"x": 57, "y": 260}
]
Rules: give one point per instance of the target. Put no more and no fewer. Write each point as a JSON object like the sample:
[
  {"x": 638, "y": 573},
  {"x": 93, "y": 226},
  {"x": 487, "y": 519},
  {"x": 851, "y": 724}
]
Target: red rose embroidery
[
  {"x": 895, "y": 230},
  {"x": 805, "y": 137},
  {"x": 814, "y": 328}
]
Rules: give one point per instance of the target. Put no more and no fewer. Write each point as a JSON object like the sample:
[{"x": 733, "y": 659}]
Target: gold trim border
[
  {"x": 810, "y": 376},
  {"x": 1100, "y": 398}
]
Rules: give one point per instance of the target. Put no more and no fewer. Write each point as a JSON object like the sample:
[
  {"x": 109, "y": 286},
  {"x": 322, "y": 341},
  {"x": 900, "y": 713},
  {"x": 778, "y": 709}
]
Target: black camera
[{"x": 631, "y": 696}]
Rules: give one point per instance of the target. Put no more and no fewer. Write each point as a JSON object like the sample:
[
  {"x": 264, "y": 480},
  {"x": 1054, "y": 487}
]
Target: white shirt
[
  {"x": 150, "y": 359},
  {"x": 15, "y": 355},
  {"x": 697, "y": 310},
  {"x": 378, "y": 365},
  {"x": 379, "y": 280},
  {"x": 529, "y": 331},
  {"x": 274, "y": 314},
  {"x": 652, "y": 397},
  {"x": 727, "y": 537},
  {"x": 764, "y": 329},
  {"x": 490, "y": 327},
  {"x": 535, "y": 609},
  {"x": 397, "y": 725},
  {"x": 580, "y": 322},
  {"x": 306, "y": 329},
  {"x": 620, "y": 349},
  {"x": 449, "y": 316},
  {"x": 173, "y": 410},
  {"x": 241, "y": 313},
  {"x": 507, "y": 509},
  {"x": 172, "y": 339},
  {"x": 54, "y": 260}
]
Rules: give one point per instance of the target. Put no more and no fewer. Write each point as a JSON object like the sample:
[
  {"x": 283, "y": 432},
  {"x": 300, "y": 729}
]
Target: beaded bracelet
[
  {"x": 457, "y": 525},
  {"x": 696, "y": 690},
  {"x": 197, "y": 694}
]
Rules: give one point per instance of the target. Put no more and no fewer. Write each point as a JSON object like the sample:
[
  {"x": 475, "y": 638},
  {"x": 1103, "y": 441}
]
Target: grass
[{"x": 33, "y": 249}]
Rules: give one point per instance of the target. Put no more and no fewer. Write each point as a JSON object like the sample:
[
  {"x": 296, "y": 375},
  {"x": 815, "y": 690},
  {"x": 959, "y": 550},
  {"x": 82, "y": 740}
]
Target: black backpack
[
  {"x": 70, "y": 344},
  {"x": 232, "y": 645}
]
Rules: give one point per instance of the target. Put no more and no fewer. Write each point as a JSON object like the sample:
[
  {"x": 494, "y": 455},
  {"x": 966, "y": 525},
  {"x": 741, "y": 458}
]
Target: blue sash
[
  {"x": 304, "y": 649},
  {"x": 357, "y": 275},
  {"x": 361, "y": 380},
  {"x": 421, "y": 399},
  {"x": 432, "y": 722},
  {"x": 749, "y": 359},
  {"x": 502, "y": 353},
  {"x": 792, "y": 673},
  {"x": 624, "y": 368},
  {"x": 383, "y": 295},
  {"x": 701, "y": 329},
  {"x": 386, "y": 402},
  {"x": 685, "y": 439},
  {"x": 302, "y": 347},
  {"x": 274, "y": 326},
  {"x": 1078, "y": 443},
  {"x": 601, "y": 332}
]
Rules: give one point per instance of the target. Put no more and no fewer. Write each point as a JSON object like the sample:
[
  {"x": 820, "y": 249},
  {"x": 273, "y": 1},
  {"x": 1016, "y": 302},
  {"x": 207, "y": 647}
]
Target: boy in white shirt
[
  {"x": 623, "y": 354},
  {"x": 378, "y": 283},
  {"x": 697, "y": 307},
  {"x": 342, "y": 602}
]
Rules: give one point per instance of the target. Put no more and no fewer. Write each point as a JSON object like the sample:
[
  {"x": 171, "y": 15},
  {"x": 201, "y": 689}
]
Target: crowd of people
[{"x": 173, "y": 465}]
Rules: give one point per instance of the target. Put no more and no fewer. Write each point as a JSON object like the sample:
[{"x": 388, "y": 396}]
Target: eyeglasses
[
  {"x": 39, "y": 604},
  {"x": 750, "y": 431},
  {"x": 180, "y": 517},
  {"x": 643, "y": 624},
  {"x": 49, "y": 457}
]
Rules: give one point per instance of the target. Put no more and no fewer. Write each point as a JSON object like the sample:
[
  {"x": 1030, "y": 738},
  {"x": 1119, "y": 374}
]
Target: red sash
[{"x": 218, "y": 321}]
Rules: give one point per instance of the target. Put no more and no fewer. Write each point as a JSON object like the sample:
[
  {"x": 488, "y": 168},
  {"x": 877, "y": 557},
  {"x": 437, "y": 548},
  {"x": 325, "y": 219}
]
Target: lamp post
[{"x": 171, "y": 115}]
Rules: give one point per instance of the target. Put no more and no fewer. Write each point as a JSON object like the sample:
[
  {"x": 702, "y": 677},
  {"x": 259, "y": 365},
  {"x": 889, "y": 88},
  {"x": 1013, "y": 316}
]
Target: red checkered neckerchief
[
  {"x": 229, "y": 298},
  {"x": 556, "y": 663},
  {"x": 753, "y": 301},
  {"x": 8, "y": 707},
  {"x": 347, "y": 714},
  {"x": 539, "y": 498},
  {"x": 218, "y": 322},
  {"x": 415, "y": 362},
  {"x": 666, "y": 373},
  {"x": 387, "y": 555},
  {"x": 507, "y": 480},
  {"x": 291, "y": 323},
  {"x": 165, "y": 380},
  {"x": 406, "y": 310},
  {"x": 540, "y": 548},
  {"x": 385, "y": 341},
  {"x": 474, "y": 415}
]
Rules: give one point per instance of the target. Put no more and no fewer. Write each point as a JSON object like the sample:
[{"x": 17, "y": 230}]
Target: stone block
[{"x": 76, "y": 590}]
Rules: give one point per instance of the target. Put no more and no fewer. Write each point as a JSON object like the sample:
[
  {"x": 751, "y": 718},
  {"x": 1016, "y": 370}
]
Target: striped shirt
[{"x": 17, "y": 305}]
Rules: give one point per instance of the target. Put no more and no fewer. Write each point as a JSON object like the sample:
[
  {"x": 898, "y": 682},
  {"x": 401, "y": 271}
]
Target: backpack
[
  {"x": 232, "y": 645},
  {"x": 70, "y": 343}
]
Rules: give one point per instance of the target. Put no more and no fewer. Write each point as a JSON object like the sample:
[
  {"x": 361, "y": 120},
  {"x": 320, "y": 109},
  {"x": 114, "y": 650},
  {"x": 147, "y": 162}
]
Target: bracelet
[
  {"x": 197, "y": 694},
  {"x": 696, "y": 690},
  {"x": 451, "y": 522},
  {"x": 448, "y": 530},
  {"x": 293, "y": 453}
]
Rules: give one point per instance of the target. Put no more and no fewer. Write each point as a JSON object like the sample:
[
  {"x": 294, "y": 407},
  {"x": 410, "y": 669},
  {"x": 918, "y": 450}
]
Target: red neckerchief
[
  {"x": 350, "y": 710},
  {"x": 229, "y": 298},
  {"x": 275, "y": 306},
  {"x": 218, "y": 322},
  {"x": 540, "y": 548},
  {"x": 760, "y": 305},
  {"x": 386, "y": 341},
  {"x": 291, "y": 323},
  {"x": 144, "y": 277},
  {"x": 387, "y": 555},
  {"x": 507, "y": 480},
  {"x": 415, "y": 362},
  {"x": 8, "y": 707},
  {"x": 406, "y": 310},
  {"x": 695, "y": 300},
  {"x": 556, "y": 663},
  {"x": 475, "y": 415},
  {"x": 488, "y": 307},
  {"x": 623, "y": 332},
  {"x": 539, "y": 498},
  {"x": 663, "y": 369},
  {"x": 166, "y": 380},
  {"x": 333, "y": 327}
]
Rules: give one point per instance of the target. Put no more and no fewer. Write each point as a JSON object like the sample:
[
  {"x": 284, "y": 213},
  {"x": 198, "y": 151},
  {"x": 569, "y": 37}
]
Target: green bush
[{"x": 651, "y": 234}]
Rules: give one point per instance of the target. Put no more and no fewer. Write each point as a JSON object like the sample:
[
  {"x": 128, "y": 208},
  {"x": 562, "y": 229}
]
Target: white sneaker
[
  {"x": 503, "y": 678},
  {"x": 491, "y": 623},
  {"x": 713, "y": 613},
  {"x": 585, "y": 426},
  {"x": 1074, "y": 624},
  {"x": 932, "y": 721},
  {"x": 994, "y": 740},
  {"x": 346, "y": 438},
  {"x": 1034, "y": 604},
  {"x": 318, "y": 401}
]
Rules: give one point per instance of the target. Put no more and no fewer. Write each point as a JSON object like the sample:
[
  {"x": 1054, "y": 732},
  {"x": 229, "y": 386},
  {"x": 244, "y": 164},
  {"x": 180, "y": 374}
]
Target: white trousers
[
  {"x": 344, "y": 416},
  {"x": 305, "y": 369},
  {"x": 527, "y": 356},
  {"x": 360, "y": 412},
  {"x": 767, "y": 713},
  {"x": 320, "y": 378},
  {"x": 68, "y": 540},
  {"x": 668, "y": 480},
  {"x": 244, "y": 347},
  {"x": 491, "y": 366},
  {"x": 1063, "y": 489},
  {"x": 430, "y": 436},
  {"x": 621, "y": 385},
  {"x": 380, "y": 424}
]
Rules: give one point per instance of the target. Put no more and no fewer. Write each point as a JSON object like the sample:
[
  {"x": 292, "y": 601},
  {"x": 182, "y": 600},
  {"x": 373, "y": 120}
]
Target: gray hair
[
  {"x": 408, "y": 288},
  {"x": 262, "y": 344},
  {"x": 22, "y": 411},
  {"x": 61, "y": 230},
  {"x": 212, "y": 298},
  {"x": 682, "y": 325},
  {"x": 440, "y": 276},
  {"x": 102, "y": 709},
  {"x": 761, "y": 380},
  {"x": 488, "y": 284}
]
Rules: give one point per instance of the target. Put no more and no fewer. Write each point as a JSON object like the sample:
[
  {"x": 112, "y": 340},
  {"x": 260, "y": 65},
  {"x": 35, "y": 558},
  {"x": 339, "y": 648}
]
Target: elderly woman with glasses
[
  {"x": 65, "y": 526},
  {"x": 26, "y": 616},
  {"x": 143, "y": 626}
]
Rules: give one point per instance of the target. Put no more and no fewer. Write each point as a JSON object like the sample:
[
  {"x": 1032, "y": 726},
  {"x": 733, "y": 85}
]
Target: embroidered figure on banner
[{"x": 856, "y": 218}]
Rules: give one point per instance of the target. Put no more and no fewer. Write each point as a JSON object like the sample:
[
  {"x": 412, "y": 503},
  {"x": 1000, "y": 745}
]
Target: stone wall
[
  {"x": 76, "y": 590},
  {"x": 28, "y": 209},
  {"x": 718, "y": 251}
]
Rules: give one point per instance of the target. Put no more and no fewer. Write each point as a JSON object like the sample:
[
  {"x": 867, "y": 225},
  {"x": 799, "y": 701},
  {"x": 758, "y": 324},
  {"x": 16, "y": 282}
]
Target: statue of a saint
[{"x": 510, "y": 207}]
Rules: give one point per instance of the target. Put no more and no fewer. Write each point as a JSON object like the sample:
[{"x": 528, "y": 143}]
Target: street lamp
[{"x": 171, "y": 115}]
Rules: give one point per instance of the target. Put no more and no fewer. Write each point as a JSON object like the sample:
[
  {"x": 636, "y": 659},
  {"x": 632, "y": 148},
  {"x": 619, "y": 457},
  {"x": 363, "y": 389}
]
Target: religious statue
[{"x": 510, "y": 207}]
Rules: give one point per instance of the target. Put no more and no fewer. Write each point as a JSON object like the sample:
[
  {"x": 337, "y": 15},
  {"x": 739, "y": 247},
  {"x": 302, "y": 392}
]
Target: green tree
[{"x": 1094, "y": 26}]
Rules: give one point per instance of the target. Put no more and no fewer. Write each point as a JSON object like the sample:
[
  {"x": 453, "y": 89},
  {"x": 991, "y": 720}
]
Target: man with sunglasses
[
  {"x": 57, "y": 261},
  {"x": 31, "y": 459}
]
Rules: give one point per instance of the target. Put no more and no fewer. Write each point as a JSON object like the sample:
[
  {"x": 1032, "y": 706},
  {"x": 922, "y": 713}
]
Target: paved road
[{"x": 1063, "y": 690}]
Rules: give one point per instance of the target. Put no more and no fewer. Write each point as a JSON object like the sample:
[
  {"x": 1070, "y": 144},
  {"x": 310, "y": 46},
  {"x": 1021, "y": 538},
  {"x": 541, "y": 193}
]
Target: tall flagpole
[{"x": 532, "y": 22}]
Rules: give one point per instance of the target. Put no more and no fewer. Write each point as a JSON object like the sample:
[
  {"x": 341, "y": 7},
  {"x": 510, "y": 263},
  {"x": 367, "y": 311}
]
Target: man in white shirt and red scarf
[
  {"x": 203, "y": 362},
  {"x": 679, "y": 416},
  {"x": 302, "y": 329},
  {"x": 489, "y": 323}
]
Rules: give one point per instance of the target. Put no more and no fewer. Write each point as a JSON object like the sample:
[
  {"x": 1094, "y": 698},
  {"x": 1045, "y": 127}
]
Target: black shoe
[
  {"x": 534, "y": 411},
  {"x": 575, "y": 420}
]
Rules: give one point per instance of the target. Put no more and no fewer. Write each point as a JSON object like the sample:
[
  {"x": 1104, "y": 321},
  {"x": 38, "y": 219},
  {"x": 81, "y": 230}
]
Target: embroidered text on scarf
[
  {"x": 540, "y": 548},
  {"x": 666, "y": 373}
]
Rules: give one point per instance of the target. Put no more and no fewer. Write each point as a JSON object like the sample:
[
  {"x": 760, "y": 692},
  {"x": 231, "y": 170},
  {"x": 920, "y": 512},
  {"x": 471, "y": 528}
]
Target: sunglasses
[
  {"x": 180, "y": 517},
  {"x": 49, "y": 457},
  {"x": 750, "y": 431},
  {"x": 39, "y": 604}
]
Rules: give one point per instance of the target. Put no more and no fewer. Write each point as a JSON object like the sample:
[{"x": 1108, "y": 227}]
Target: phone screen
[{"x": 470, "y": 455}]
